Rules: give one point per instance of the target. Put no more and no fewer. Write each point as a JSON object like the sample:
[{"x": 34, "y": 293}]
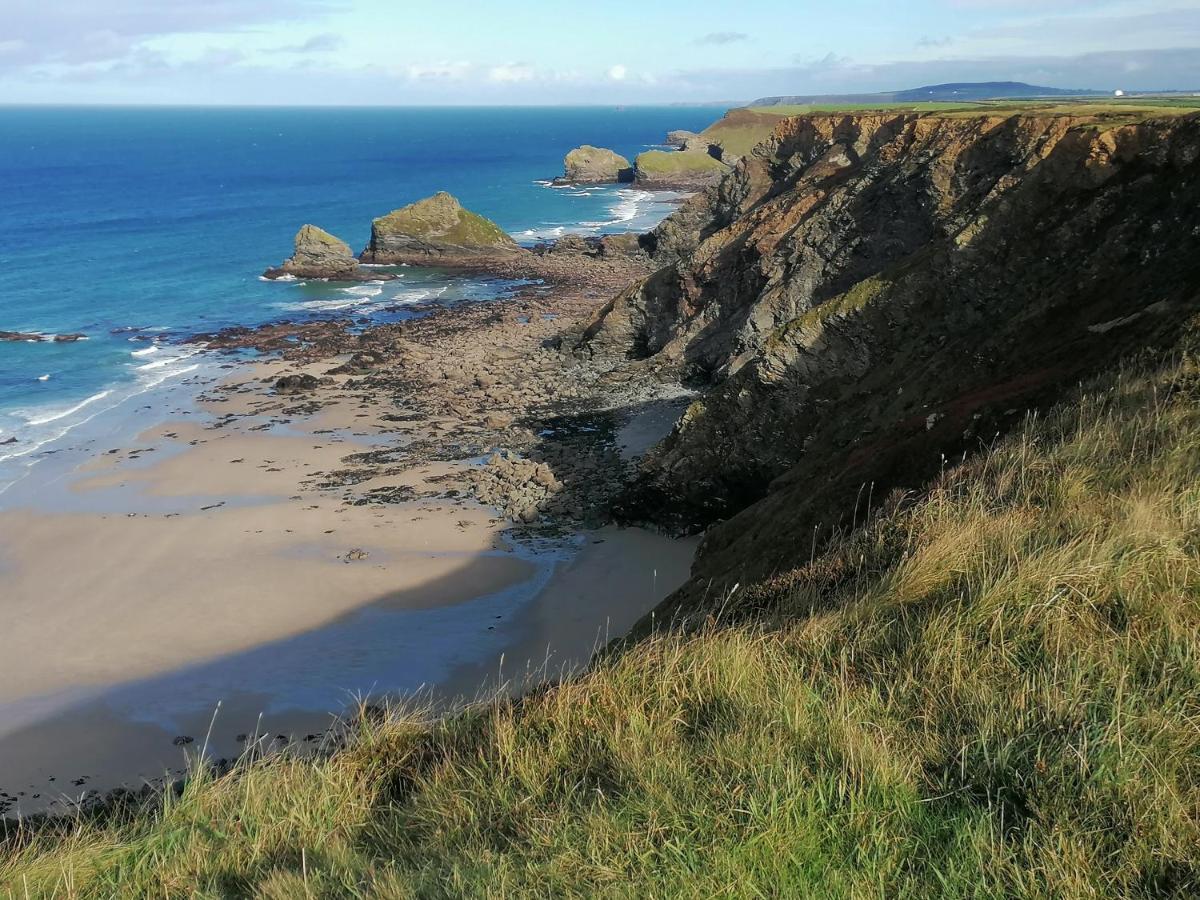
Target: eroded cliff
[{"x": 869, "y": 296}]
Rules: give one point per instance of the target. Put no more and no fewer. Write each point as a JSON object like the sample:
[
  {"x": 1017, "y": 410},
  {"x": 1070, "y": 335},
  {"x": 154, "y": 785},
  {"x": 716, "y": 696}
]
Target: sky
[{"x": 375, "y": 52}]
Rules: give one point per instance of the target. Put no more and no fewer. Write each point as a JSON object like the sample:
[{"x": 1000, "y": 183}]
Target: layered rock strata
[{"x": 870, "y": 295}]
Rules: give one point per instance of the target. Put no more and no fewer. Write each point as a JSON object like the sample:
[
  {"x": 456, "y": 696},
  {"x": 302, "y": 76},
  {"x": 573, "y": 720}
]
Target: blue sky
[{"x": 650, "y": 51}]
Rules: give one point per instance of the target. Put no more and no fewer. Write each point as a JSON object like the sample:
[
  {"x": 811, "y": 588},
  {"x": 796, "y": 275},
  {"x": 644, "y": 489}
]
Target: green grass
[
  {"x": 742, "y": 129},
  {"x": 1130, "y": 106},
  {"x": 807, "y": 108},
  {"x": 664, "y": 165},
  {"x": 990, "y": 690}
]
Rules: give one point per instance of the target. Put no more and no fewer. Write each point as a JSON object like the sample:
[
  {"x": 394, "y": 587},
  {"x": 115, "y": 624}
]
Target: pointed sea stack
[
  {"x": 320, "y": 255},
  {"x": 437, "y": 231}
]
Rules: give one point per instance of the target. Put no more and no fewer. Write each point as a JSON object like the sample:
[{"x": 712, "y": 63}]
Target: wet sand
[{"x": 281, "y": 556}]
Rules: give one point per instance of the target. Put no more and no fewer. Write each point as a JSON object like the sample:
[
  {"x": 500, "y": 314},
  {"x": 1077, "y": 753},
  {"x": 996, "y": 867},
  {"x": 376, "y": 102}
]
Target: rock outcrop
[
  {"x": 595, "y": 165},
  {"x": 608, "y": 246},
  {"x": 870, "y": 295},
  {"x": 34, "y": 337},
  {"x": 678, "y": 169},
  {"x": 437, "y": 231},
  {"x": 684, "y": 139},
  {"x": 703, "y": 159},
  {"x": 320, "y": 255}
]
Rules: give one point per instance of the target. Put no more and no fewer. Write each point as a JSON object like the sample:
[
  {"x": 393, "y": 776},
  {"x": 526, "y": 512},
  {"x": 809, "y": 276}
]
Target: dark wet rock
[
  {"x": 359, "y": 364},
  {"x": 314, "y": 335},
  {"x": 183, "y": 740},
  {"x": 69, "y": 338},
  {"x": 29, "y": 336},
  {"x": 297, "y": 384}
]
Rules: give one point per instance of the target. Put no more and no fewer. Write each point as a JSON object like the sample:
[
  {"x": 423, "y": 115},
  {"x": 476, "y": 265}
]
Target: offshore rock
[
  {"x": 438, "y": 231},
  {"x": 595, "y": 165},
  {"x": 318, "y": 254}
]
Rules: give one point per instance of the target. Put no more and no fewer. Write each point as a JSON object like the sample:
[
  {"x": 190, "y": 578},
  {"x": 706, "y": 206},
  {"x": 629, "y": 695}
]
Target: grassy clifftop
[
  {"x": 741, "y": 130},
  {"x": 990, "y": 689}
]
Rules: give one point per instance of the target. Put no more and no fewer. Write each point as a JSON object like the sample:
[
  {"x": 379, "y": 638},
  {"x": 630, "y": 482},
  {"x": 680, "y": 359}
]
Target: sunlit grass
[{"x": 988, "y": 690}]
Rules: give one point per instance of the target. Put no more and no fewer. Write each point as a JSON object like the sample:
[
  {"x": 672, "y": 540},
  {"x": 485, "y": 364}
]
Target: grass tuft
[{"x": 988, "y": 690}]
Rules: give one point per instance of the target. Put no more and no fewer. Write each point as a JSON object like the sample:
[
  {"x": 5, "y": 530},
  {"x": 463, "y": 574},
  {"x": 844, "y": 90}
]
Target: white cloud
[
  {"x": 81, "y": 32},
  {"x": 439, "y": 71},
  {"x": 618, "y": 72},
  {"x": 511, "y": 73},
  {"x": 721, "y": 38},
  {"x": 318, "y": 43}
]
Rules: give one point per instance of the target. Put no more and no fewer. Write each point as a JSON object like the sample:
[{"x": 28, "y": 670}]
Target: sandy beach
[{"x": 423, "y": 519}]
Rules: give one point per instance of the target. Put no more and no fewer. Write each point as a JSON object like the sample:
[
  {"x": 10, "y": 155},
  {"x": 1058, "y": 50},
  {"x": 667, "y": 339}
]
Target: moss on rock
[{"x": 437, "y": 228}]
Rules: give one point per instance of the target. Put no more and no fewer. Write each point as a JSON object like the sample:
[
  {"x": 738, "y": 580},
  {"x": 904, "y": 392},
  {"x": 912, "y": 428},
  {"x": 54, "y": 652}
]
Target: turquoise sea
[{"x": 141, "y": 227}]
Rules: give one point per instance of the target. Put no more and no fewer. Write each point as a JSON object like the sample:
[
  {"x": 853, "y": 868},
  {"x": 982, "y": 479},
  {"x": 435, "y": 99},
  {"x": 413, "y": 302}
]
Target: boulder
[
  {"x": 437, "y": 231},
  {"x": 297, "y": 384},
  {"x": 595, "y": 165},
  {"x": 318, "y": 254},
  {"x": 627, "y": 244},
  {"x": 571, "y": 243}
]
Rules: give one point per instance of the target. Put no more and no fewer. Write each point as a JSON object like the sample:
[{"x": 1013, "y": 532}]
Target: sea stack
[
  {"x": 437, "y": 231},
  {"x": 320, "y": 255},
  {"x": 595, "y": 165}
]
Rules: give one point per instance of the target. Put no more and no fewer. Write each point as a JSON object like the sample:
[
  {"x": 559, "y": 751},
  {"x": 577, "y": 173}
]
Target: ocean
[{"x": 141, "y": 227}]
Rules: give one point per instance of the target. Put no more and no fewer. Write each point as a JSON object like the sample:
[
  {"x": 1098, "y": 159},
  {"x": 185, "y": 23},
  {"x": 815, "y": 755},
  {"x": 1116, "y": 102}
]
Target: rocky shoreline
[
  {"x": 483, "y": 404},
  {"x": 492, "y": 382}
]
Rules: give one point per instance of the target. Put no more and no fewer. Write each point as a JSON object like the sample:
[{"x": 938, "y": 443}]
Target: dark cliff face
[{"x": 872, "y": 296}]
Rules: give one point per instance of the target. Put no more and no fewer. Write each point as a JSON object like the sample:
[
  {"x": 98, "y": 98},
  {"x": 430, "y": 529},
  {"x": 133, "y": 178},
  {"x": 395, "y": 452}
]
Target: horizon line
[{"x": 16, "y": 104}]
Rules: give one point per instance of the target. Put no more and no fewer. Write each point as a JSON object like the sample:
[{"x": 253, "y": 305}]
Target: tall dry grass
[{"x": 988, "y": 690}]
